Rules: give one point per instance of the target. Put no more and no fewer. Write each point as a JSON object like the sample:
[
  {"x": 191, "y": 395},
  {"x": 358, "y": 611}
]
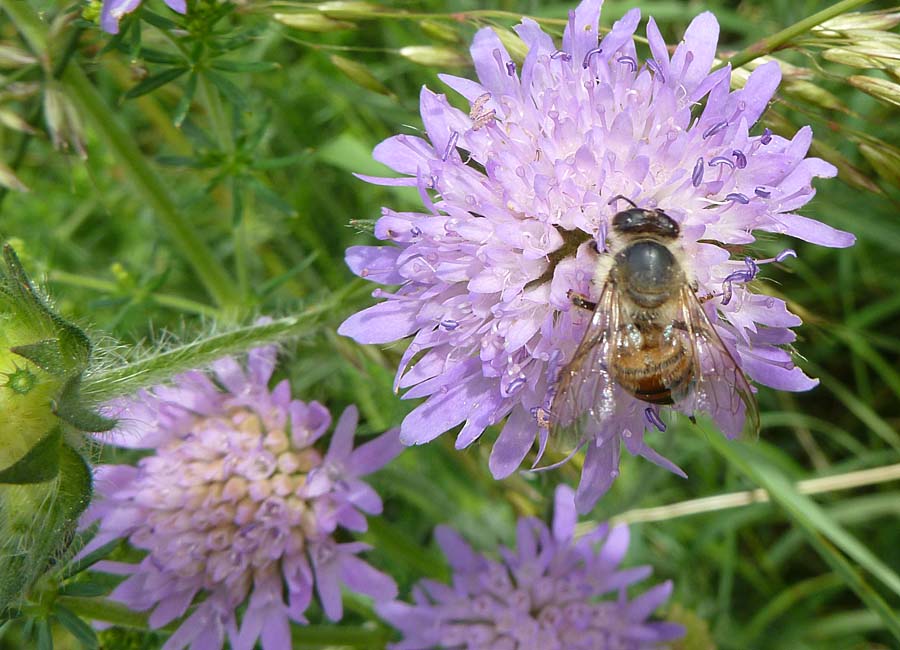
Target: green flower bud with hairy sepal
[
  {"x": 44, "y": 482},
  {"x": 37, "y": 521}
]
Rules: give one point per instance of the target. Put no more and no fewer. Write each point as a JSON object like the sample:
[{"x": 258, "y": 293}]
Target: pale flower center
[{"x": 224, "y": 500}]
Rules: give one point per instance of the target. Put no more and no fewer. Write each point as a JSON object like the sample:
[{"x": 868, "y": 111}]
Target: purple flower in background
[
  {"x": 517, "y": 204},
  {"x": 114, "y": 10},
  {"x": 237, "y": 506},
  {"x": 550, "y": 593}
]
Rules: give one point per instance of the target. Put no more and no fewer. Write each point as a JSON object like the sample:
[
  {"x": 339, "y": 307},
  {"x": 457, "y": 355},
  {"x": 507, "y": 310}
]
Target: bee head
[{"x": 638, "y": 221}]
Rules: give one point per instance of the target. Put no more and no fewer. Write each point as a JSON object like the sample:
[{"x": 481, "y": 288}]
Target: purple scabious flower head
[
  {"x": 553, "y": 592},
  {"x": 114, "y": 10},
  {"x": 237, "y": 506},
  {"x": 517, "y": 198}
]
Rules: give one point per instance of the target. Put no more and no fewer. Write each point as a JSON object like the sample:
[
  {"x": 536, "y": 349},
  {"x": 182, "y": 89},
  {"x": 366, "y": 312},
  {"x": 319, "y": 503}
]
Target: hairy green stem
[
  {"x": 771, "y": 43},
  {"x": 123, "y": 148},
  {"x": 131, "y": 377}
]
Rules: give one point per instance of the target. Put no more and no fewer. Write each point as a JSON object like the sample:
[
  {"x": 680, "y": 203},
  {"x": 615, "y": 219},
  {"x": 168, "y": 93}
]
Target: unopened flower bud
[
  {"x": 845, "y": 56},
  {"x": 440, "y": 31},
  {"x": 44, "y": 482},
  {"x": 9, "y": 180},
  {"x": 879, "y": 20},
  {"x": 63, "y": 121},
  {"x": 882, "y": 89},
  {"x": 310, "y": 22},
  {"x": 878, "y": 45},
  {"x": 340, "y": 10},
  {"x": 513, "y": 44},
  {"x": 13, "y": 57},
  {"x": 884, "y": 158},
  {"x": 37, "y": 519},
  {"x": 360, "y": 74},
  {"x": 12, "y": 120},
  {"x": 433, "y": 55},
  {"x": 814, "y": 94}
]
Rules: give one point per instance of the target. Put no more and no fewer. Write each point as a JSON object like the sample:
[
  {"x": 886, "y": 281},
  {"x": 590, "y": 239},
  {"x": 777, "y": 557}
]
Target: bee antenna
[{"x": 624, "y": 198}]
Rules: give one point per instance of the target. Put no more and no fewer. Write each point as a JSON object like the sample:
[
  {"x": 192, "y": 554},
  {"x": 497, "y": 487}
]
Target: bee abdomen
[{"x": 654, "y": 374}]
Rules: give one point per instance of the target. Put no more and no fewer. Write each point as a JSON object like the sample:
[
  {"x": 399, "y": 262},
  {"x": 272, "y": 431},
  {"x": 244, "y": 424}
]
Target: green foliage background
[{"x": 261, "y": 166}]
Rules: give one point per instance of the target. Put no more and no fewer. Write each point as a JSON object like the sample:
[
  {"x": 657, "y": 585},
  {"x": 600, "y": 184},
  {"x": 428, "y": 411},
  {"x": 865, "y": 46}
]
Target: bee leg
[
  {"x": 581, "y": 301},
  {"x": 692, "y": 419},
  {"x": 707, "y": 297}
]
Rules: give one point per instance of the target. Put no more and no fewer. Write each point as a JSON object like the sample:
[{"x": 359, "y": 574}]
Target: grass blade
[{"x": 825, "y": 535}]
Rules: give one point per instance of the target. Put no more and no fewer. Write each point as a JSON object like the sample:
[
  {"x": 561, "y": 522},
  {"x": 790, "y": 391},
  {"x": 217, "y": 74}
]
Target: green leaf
[
  {"x": 45, "y": 354},
  {"x": 157, "y": 20},
  {"x": 153, "y": 82},
  {"x": 182, "y": 161},
  {"x": 272, "y": 284},
  {"x": 231, "y": 92},
  {"x": 184, "y": 104},
  {"x": 83, "y": 632},
  {"x": 91, "y": 559},
  {"x": 272, "y": 198},
  {"x": 116, "y": 42},
  {"x": 237, "y": 202},
  {"x": 134, "y": 30},
  {"x": 84, "y": 589},
  {"x": 281, "y": 161},
  {"x": 70, "y": 407},
  {"x": 158, "y": 56},
  {"x": 245, "y": 66},
  {"x": 786, "y": 601},
  {"x": 44, "y": 634},
  {"x": 859, "y": 408},
  {"x": 40, "y": 464}
]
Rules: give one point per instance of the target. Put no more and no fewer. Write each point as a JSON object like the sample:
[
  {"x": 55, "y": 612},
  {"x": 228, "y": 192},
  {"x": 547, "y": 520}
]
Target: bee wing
[
  {"x": 720, "y": 386},
  {"x": 583, "y": 396}
]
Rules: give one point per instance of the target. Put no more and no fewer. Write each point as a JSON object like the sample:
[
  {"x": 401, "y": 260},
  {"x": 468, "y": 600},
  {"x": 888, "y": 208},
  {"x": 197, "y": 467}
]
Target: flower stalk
[{"x": 129, "y": 378}]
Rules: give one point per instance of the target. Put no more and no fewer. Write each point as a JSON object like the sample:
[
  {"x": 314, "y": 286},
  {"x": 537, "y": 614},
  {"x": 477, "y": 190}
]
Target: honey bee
[{"x": 649, "y": 336}]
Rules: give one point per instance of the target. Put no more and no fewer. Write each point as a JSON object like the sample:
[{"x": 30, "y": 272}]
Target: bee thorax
[{"x": 648, "y": 272}]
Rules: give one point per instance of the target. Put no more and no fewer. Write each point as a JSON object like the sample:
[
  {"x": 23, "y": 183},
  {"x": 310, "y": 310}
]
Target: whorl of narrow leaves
[{"x": 44, "y": 482}]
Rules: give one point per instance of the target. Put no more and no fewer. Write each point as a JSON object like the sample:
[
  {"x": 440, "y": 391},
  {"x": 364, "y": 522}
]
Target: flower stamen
[
  {"x": 721, "y": 160},
  {"x": 737, "y": 197},
  {"x": 697, "y": 175},
  {"x": 451, "y": 144},
  {"x": 653, "y": 66},
  {"x": 632, "y": 64},
  {"x": 746, "y": 275},
  {"x": 652, "y": 417},
  {"x": 715, "y": 128},
  {"x": 587, "y": 57}
]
